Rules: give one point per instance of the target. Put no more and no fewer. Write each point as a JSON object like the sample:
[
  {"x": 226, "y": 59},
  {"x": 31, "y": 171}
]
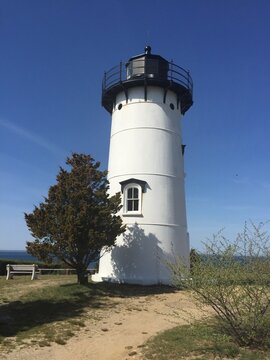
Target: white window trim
[{"x": 125, "y": 200}]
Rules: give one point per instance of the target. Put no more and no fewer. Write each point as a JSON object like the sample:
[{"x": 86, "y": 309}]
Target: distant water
[
  {"x": 16, "y": 255},
  {"x": 22, "y": 255}
]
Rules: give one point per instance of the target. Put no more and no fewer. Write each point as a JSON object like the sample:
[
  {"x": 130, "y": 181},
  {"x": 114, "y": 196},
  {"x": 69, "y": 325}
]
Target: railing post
[
  {"x": 104, "y": 80},
  {"x": 121, "y": 71},
  {"x": 171, "y": 68}
]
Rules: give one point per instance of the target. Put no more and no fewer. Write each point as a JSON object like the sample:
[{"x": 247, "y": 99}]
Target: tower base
[
  {"x": 146, "y": 282},
  {"x": 141, "y": 257}
]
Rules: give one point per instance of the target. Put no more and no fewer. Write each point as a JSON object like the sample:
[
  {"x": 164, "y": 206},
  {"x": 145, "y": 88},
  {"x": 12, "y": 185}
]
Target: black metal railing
[{"x": 141, "y": 69}]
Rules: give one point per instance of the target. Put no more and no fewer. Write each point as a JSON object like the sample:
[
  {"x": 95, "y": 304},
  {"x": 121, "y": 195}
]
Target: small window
[
  {"x": 133, "y": 199},
  {"x": 132, "y": 190}
]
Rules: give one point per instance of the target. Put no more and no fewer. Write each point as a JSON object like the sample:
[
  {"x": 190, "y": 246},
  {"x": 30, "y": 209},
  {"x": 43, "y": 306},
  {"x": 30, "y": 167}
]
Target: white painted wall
[{"x": 146, "y": 144}]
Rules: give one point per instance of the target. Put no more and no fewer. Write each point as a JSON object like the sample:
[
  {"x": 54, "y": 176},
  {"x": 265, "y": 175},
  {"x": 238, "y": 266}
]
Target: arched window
[
  {"x": 132, "y": 198},
  {"x": 132, "y": 190}
]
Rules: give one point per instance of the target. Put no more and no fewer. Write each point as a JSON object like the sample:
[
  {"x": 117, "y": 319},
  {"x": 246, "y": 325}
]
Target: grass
[
  {"x": 54, "y": 308},
  {"x": 198, "y": 341},
  {"x": 44, "y": 311},
  {"x": 38, "y": 313}
]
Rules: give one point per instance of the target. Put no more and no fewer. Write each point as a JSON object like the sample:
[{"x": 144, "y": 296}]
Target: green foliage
[
  {"x": 77, "y": 219},
  {"x": 233, "y": 278},
  {"x": 194, "y": 258}
]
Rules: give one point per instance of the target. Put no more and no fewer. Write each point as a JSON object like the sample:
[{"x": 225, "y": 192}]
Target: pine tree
[{"x": 77, "y": 219}]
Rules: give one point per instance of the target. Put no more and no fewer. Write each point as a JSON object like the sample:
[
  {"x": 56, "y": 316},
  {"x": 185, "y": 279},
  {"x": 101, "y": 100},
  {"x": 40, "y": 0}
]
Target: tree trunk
[{"x": 82, "y": 277}]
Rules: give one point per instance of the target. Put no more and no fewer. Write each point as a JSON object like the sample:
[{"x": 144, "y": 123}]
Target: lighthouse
[{"x": 146, "y": 97}]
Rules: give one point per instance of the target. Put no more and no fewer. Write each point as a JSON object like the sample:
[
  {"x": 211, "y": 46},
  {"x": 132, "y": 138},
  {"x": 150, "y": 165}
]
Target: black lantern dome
[{"x": 145, "y": 70}]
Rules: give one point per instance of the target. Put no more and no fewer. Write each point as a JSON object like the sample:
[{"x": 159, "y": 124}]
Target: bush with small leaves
[{"x": 233, "y": 278}]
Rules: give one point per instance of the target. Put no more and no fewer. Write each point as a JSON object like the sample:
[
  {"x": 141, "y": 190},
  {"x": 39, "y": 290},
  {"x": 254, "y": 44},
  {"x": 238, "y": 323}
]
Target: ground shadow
[
  {"x": 26, "y": 314},
  {"x": 130, "y": 290}
]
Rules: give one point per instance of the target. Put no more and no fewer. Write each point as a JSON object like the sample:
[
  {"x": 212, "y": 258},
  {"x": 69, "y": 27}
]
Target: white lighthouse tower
[{"x": 146, "y": 97}]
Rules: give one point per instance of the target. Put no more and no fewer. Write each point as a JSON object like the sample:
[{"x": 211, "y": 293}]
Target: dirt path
[{"x": 120, "y": 331}]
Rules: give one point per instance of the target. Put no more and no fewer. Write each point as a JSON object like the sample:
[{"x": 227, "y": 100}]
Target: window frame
[
  {"x": 140, "y": 185},
  {"x": 126, "y": 199}
]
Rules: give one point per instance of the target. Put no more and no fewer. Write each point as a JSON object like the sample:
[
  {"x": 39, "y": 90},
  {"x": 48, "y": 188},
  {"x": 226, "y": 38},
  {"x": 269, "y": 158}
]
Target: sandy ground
[{"x": 120, "y": 331}]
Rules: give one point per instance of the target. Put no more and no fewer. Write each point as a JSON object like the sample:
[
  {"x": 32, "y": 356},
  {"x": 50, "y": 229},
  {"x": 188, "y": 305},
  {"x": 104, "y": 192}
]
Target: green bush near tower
[{"x": 232, "y": 278}]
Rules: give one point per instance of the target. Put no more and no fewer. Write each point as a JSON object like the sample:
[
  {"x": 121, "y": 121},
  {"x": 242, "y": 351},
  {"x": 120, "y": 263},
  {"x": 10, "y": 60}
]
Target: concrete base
[{"x": 97, "y": 278}]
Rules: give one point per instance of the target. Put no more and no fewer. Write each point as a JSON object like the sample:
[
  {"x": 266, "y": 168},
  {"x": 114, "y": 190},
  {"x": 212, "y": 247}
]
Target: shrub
[{"x": 233, "y": 279}]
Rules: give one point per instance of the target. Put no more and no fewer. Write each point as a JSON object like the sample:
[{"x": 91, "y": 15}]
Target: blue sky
[{"x": 53, "y": 56}]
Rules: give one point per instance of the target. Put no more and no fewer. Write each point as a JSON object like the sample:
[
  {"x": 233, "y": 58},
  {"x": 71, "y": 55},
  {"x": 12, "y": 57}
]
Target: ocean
[
  {"x": 22, "y": 255},
  {"x": 16, "y": 255}
]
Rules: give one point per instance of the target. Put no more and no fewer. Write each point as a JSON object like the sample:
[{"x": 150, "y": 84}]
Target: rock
[
  {"x": 129, "y": 347},
  {"x": 104, "y": 329},
  {"x": 131, "y": 353},
  {"x": 118, "y": 323}
]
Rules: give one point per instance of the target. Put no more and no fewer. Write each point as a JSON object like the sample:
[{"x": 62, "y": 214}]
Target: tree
[
  {"x": 233, "y": 279},
  {"x": 77, "y": 219}
]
